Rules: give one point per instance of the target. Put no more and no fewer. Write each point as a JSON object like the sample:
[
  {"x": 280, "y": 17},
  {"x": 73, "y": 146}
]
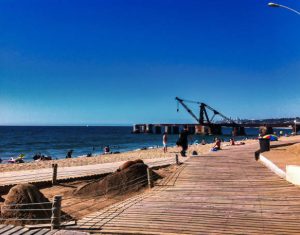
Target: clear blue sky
[{"x": 123, "y": 62}]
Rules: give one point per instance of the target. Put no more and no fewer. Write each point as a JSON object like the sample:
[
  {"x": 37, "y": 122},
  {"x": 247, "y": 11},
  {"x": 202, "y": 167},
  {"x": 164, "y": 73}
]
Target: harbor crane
[{"x": 203, "y": 118}]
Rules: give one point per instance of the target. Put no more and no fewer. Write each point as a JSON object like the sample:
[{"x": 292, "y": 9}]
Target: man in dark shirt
[{"x": 183, "y": 141}]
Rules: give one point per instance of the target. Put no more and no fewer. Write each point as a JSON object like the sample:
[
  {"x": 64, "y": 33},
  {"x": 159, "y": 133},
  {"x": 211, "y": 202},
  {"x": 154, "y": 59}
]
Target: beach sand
[
  {"x": 285, "y": 155},
  {"x": 131, "y": 155}
]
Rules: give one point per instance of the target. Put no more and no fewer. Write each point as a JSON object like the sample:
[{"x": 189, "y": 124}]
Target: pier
[
  {"x": 205, "y": 124},
  {"x": 210, "y": 129}
]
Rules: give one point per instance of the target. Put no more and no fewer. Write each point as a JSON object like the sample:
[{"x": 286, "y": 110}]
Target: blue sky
[{"x": 123, "y": 62}]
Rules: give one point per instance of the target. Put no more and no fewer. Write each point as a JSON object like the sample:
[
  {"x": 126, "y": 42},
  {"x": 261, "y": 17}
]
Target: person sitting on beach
[
  {"x": 11, "y": 160},
  {"x": 106, "y": 149},
  {"x": 69, "y": 154},
  {"x": 217, "y": 145},
  {"x": 45, "y": 158},
  {"x": 203, "y": 142},
  {"x": 231, "y": 141},
  {"x": 280, "y": 133},
  {"x": 89, "y": 155},
  {"x": 37, "y": 156},
  {"x": 19, "y": 159}
]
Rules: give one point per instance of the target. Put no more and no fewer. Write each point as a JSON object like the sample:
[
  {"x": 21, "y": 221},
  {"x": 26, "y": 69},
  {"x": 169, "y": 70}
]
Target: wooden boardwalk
[{"x": 227, "y": 192}]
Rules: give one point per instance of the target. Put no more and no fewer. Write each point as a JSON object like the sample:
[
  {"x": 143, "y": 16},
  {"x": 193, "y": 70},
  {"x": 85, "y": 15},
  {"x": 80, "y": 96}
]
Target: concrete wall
[{"x": 293, "y": 174}]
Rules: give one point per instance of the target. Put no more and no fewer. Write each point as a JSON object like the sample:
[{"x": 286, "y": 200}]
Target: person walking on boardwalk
[
  {"x": 183, "y": 141},
  {"x": 165, "y": 142}
]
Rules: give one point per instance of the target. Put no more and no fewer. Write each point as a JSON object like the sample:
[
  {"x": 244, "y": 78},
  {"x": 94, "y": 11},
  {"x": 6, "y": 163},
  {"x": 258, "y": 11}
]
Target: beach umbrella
[
  {"x": 22, "y": 155},
  {"x": 271, "y": 137}
]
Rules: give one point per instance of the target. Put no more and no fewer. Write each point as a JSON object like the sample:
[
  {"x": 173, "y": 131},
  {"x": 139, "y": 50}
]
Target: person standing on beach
[
  {"x": 183, "y": 141},
  {"x": 106, "y": 149},
  {"x": 165, "y": 142}
]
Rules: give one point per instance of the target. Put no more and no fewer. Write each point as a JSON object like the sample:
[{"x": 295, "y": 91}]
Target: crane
[{"x": 203, "y": 115}]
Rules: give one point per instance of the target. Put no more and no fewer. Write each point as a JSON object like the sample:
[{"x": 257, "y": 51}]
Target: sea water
[{"x": 56, "y": 141}]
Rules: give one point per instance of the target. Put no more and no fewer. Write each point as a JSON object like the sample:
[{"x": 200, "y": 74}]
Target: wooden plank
[
  {"x": 13, "y": 230},
  {"x": 6, "y": 228},
  {"x": 22, "y": 231},
  {"x": 33, "y": 231},
  {"x": 42, "y": 231}
]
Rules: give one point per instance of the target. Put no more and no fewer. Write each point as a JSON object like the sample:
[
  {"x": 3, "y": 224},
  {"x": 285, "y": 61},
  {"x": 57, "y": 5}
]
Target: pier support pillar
[
  {"x": 168, "y": 129},
  {"x": 157, "y": 130},
  {"x": 149, "y": 128},
  {"x": 143, "y": 128},
  {"x": 215, "y": 129},
  {"x": 201, "y": 130},
  {"x": 238, "y": 131},
  {"x": 136, "y": 129},
  {"x": 180, "y": 127},
  {"x": 296, "y": 128},
  {"x": 191, "y": 130},
  {"x": 176, "y": 130}
]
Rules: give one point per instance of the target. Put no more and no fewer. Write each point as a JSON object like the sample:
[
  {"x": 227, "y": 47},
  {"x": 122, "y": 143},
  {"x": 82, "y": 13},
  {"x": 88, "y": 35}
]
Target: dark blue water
[{"x": 56, "y": 141}]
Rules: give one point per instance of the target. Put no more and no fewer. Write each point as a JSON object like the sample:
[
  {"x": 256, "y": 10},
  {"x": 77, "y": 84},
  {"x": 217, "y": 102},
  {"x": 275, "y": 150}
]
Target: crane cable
[
  {"x": 192, "y": 101},
  {"x": 187, "y": 101}
]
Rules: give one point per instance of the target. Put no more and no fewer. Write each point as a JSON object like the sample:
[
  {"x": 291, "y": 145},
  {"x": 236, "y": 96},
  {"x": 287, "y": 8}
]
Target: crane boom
[
  {"x": 220, "y": 114},
  {"x": 203, "y": 117},
  {"x": 187, "y": 108}
]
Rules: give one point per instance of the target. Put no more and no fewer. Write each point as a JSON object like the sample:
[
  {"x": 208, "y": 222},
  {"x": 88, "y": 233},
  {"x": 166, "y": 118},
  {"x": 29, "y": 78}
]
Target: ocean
[{"x": 55, "y": 141}]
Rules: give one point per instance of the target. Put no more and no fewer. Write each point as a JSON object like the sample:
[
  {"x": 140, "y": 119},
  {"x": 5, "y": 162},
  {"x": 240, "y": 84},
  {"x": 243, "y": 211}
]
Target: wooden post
[
  {"x": 149, "y": 176},
  {"x": 56, "y": 212},
  {"x": 54, "y": 174},
  {"x": 177, "y": 160}
]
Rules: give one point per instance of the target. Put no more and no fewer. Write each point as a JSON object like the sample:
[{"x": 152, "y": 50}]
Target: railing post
[
  {"x": 56, "y": 212},
  {"x": 149, "y": 176},
  {"x": 177, "y": 160},
  {"x": 54, "y": 174}
]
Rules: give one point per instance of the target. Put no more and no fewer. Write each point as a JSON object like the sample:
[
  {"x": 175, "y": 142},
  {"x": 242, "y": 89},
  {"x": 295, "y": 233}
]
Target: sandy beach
[
  {"x": 131, "y": 155},
  {"x": 285, "y": 155}
]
